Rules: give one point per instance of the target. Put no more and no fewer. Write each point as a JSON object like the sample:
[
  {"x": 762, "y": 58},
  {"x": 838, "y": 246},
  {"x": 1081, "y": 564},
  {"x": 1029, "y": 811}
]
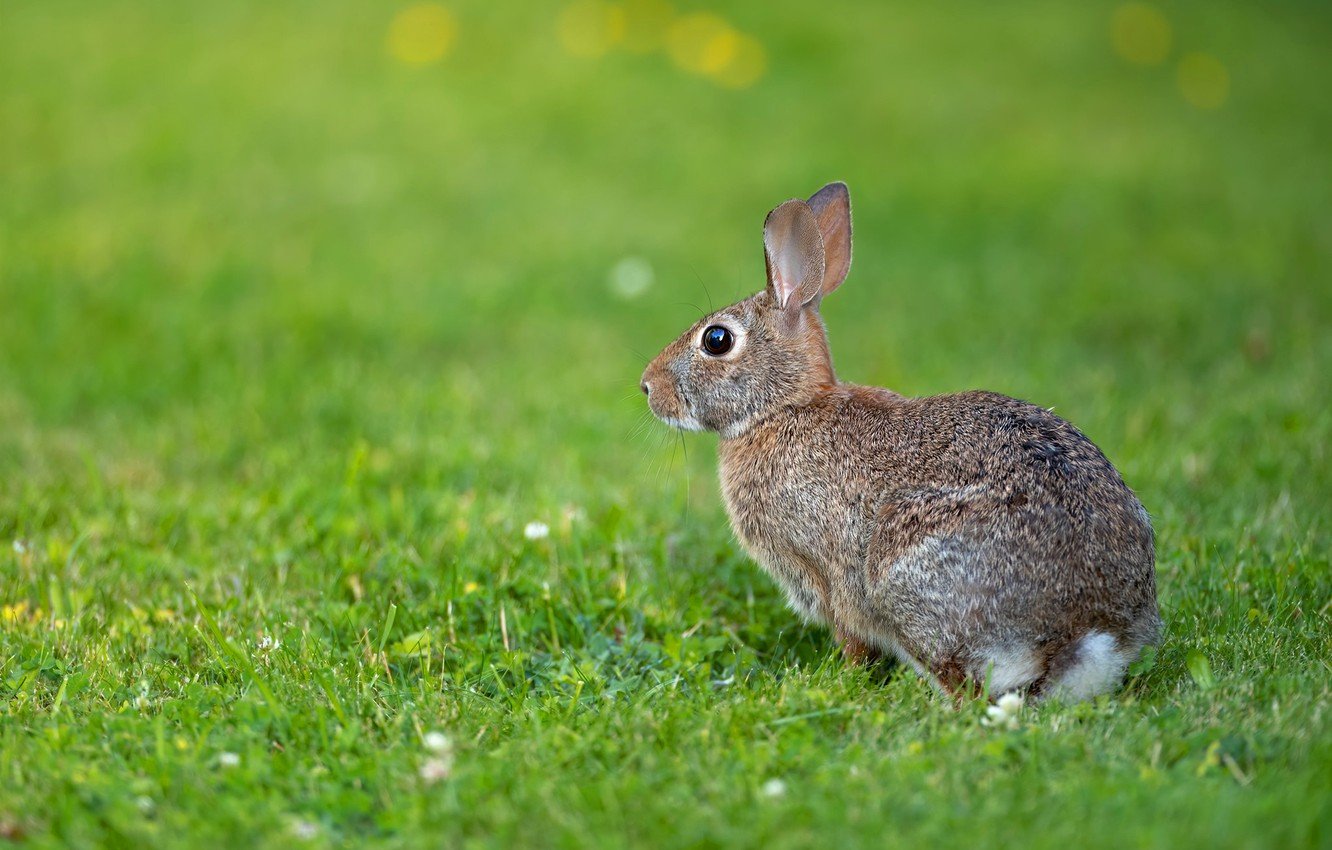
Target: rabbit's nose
[{"x": 647, "y": 390}]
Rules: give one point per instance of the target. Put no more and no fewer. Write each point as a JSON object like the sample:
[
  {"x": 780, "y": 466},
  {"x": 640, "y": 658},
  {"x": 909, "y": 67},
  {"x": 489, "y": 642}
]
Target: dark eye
[{"x": 717, "y": 340}]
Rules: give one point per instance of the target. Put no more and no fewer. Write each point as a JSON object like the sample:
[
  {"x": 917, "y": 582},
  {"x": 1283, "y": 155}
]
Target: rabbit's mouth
[
  {"x": 669, "y": 404},
  {"x": 677, "y": 415}
]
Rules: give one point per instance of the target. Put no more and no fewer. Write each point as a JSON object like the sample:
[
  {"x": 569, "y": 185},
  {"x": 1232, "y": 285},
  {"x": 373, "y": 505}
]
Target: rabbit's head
[{"x": 769, "y": 351}]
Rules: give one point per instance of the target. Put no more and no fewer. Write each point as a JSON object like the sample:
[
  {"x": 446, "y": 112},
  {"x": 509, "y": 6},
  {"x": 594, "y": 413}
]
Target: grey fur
[{"x": 947, "y": 531}]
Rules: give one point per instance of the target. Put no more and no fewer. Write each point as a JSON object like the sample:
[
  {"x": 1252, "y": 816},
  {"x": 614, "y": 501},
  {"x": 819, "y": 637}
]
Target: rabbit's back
[{"x": 967, "y": 533}]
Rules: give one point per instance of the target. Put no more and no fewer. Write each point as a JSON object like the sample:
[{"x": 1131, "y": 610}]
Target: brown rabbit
[{"x": 982, "y": 540}]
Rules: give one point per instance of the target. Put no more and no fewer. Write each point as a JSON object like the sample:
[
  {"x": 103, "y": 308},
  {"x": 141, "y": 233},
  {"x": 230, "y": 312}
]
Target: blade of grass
[{"x": 240, "y": 658}]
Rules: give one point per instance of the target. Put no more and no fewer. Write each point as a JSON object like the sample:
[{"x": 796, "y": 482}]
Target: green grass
[{"x": 295, "y": 339}]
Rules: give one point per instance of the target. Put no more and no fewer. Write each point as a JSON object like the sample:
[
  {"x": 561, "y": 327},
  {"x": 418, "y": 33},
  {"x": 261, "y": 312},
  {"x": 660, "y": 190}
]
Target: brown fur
[{"x": 936, "y": 529}]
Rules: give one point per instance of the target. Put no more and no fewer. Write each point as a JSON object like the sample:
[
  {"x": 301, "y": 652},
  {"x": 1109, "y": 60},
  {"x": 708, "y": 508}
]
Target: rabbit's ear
[
  {"x": 832, "y": 207},
  {"x": 794, "y": 251}
]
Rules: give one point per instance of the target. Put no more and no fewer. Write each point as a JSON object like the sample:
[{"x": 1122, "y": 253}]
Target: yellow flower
[
  {"x": 701, "y": 43},
  {"x": 1140, "y": 34},
  {"x": 588, "y": 28},
  {"x": 706, "y": 44},
  {"x": 422, "y": 34},
  {"x": 1203, "y": 80}
]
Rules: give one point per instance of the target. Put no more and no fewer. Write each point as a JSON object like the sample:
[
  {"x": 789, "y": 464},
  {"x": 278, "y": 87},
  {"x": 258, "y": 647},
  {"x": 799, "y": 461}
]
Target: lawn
[{"x": 308, "y": 310}]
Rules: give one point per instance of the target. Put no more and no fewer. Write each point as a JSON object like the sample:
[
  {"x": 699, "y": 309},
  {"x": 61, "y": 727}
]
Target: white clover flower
[
  {"x": 436, "y": 769},
  {"x": 630, "y": 277},
  {"x": 19, "y": 547},
  {"x": 773, "y": 788},
  {"x": 573, "y": 514},
  {"x": 228, "y": 760},
  {"x": 267, "y": 643},
  {"x": 1004, "y": 713},
  {"x": 437, "y": 742},
  {"x": 304, "y": 830},
  {"x": 536, "y": 531}
]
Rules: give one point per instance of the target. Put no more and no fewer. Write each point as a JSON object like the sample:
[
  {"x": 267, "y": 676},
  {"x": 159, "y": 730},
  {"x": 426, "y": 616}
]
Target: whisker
[
  {"x": 644, "y": 455},
  {"x": 653, "y": 456},
  {"x": 644, "y": 421},
  {"x": 674, "y": 447},
  {"x": 648, "y": 457},
  {"x": 698, "y": 277}
]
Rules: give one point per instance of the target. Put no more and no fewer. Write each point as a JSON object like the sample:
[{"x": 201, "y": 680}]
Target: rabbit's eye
[{"x": 717, "y": 340}]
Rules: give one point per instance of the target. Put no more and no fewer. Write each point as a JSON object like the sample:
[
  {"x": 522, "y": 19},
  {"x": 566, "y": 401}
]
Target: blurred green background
[
  {"x": 236, "y": 223},
  {"x": 309, "y": 308}
]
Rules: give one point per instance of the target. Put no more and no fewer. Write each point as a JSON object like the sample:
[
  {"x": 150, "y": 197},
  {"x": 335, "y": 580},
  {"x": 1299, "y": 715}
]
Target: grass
[{"x": 295, "y": 339}]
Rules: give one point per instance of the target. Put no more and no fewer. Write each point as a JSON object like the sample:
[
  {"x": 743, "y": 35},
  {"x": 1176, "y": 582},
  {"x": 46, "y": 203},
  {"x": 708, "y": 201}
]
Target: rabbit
[{"x": 979, "y": 539}]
